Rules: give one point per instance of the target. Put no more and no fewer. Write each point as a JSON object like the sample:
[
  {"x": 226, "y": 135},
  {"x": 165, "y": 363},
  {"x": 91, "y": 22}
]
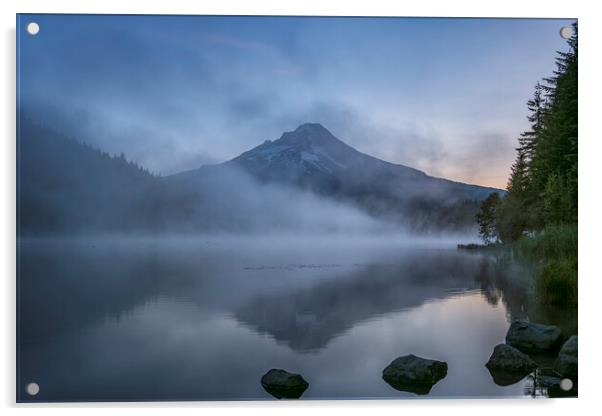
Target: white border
[{"x": 589, "y": 191}]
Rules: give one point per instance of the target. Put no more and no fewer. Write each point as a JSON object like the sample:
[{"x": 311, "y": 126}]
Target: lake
[{"x": 112, "y": 319}]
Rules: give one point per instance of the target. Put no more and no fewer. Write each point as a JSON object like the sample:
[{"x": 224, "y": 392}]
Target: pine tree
[
  {"x": 519, "y": 181},
  {"x": 537, "y": 107},
  {"x": 512, "y": 216}
]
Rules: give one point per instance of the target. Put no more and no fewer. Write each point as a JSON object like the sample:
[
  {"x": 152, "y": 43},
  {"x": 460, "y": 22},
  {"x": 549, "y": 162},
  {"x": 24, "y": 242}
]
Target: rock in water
[
  {"x": 508, "y": 358},
  {"x": 414, "y": 374},
  {"x": 507, "y": 365},
  {"x": 283, "y": 385},
  {"x": 566, "y": 364},
  {"x": 532, "y": 337}
]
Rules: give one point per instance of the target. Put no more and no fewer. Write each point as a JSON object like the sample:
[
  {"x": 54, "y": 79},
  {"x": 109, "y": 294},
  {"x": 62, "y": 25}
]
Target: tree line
[{"x": 542, "y": 188}]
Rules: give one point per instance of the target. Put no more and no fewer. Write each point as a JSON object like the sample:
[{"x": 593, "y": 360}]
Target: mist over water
[
  {"x": 231, "y": 201},
  {"x": 66, "y": 188},
  {"x": 200, "y": 318}
]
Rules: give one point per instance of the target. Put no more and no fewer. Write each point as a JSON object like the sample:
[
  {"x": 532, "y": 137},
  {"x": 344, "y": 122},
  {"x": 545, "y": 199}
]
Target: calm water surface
[{"x": 204, "y": 319}]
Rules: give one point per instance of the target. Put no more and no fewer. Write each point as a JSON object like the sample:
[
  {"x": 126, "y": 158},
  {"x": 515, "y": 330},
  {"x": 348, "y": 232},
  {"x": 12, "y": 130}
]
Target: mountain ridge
[
  {"x": 312, "y": 159},
  {"x": 315, "y": 137},
  {"x": 306, "y": 135}
]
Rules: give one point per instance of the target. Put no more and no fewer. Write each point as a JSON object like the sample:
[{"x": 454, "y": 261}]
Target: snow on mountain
[{"x": 311, "y": 150}]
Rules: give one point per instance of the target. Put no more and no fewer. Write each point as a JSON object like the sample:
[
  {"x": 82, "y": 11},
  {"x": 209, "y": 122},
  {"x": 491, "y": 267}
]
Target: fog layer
[{"x": 68, "y": 188}]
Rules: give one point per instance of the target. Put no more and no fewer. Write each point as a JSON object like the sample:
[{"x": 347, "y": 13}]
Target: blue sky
[{"x": 446, "y": 96}]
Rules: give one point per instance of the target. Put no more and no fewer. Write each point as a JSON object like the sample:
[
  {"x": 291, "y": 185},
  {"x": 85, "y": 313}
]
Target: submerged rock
[
  {"x": 557, "y": 386},
  {"x": 532, "y": 337},
  {"x": 548, "y": 381},
  {"x": 507, "y": 365},
  {"x": 558, "y": 392},
  {"x": 414, "y": 374},
  {"x": 284, "y": 385},
  {"x": 566, "y": 364}
]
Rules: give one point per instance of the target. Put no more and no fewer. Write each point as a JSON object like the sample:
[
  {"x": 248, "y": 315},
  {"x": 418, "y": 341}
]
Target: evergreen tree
[
  {"x": 519, "y": 181},
  {"x": 513, "y": 216},
  {"x": 537, "y": 107}
]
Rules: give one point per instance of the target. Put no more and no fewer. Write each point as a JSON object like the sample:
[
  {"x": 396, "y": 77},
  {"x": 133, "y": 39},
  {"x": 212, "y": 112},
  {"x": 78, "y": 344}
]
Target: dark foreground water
[{"x": 204, "y": 319}]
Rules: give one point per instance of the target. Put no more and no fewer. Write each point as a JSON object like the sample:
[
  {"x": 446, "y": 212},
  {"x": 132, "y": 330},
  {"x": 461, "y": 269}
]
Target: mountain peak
[
  {"x": 309, "y": 148},
  {"x": 308, "y": 134}
]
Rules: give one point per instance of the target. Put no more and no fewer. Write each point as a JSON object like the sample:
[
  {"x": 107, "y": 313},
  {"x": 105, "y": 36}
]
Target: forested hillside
[{"x": 65, "y": 186}]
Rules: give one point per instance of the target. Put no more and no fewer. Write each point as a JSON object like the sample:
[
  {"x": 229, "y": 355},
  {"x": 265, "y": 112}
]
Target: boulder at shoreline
[
  {"x": 532, "y": 337},
  {"x": 507, "y": 365}
]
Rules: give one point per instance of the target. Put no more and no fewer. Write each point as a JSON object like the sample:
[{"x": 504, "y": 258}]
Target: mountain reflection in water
[{"x": 201, "y": 319}]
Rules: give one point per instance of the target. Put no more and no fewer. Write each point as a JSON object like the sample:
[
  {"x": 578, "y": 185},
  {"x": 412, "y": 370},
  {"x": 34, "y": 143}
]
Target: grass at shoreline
[
  {"x": 554, "y": 250},
  {"x": 553, "y": 242}
]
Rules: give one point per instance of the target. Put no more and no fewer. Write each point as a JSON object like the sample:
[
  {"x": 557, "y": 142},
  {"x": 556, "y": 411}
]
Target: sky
[{"x": 446, "y": 96}]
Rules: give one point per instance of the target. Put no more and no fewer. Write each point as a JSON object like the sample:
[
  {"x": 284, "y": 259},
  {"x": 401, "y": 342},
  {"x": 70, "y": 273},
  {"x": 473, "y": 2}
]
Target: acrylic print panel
[{"x": 262, "y": 208}]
